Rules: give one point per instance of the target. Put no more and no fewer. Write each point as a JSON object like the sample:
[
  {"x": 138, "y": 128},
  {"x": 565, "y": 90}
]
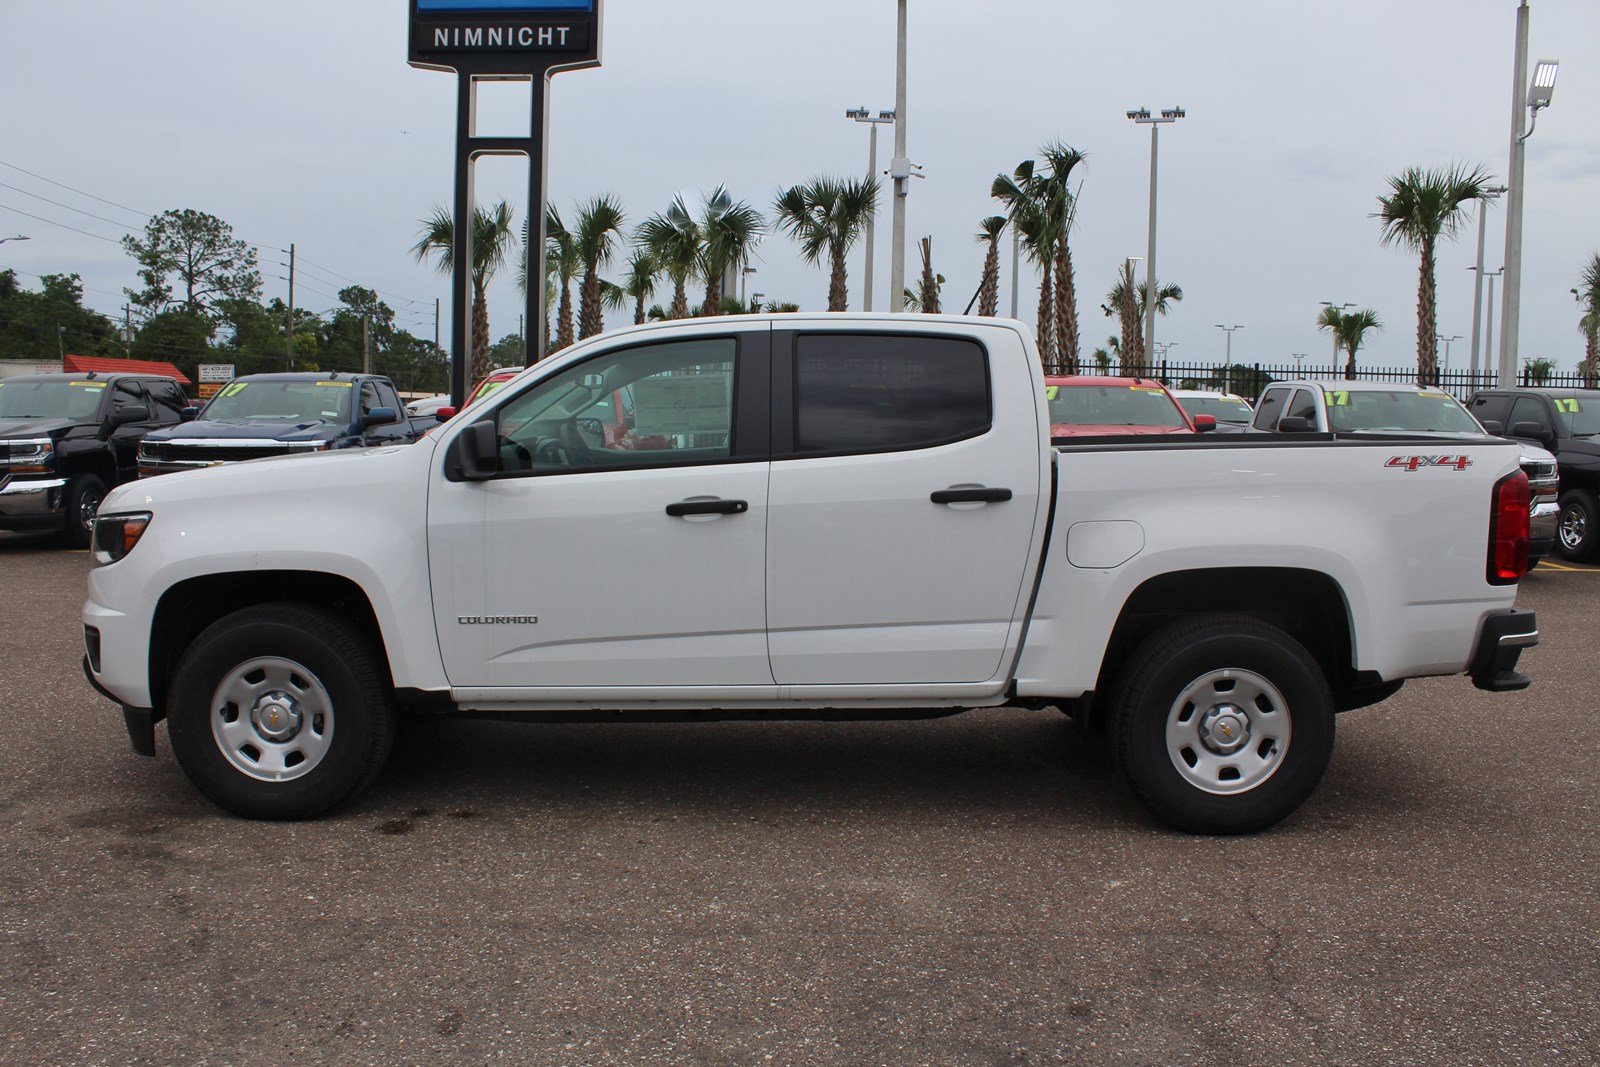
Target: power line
[
  {"x": 64, "y": 226},
  {"x": 57, "y": 203},
  {"x": 85, "y": 288},
  {"x": 80, "y": 192}
]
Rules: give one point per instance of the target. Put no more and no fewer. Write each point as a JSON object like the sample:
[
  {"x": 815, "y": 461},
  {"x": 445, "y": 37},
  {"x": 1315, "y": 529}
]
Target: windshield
[
  {"x": 268, "y": 401},
  {"x": 1580, "y": 413},
  {"x": 1113, "y": 405},
  {"x": 1398, "y": 410},
  {"x": 1221, "y": 408},
  {"x": 56, "y": 398}
]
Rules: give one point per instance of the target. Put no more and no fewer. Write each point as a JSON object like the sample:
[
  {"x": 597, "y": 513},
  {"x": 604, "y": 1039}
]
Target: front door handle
[
  {"x": 708, "y": 507},
  {"x": 975, "y": 495}
]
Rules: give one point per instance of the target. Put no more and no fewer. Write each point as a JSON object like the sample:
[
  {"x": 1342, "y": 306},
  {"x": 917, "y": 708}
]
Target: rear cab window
[{"x": 886, "y": 392}]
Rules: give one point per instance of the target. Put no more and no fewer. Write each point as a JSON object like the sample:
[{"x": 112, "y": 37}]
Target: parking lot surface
[{"x": 976, "y": 889}]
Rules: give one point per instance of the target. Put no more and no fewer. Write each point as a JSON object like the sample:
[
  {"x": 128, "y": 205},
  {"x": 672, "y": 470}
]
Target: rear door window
[{"x": 885, "y": 393}]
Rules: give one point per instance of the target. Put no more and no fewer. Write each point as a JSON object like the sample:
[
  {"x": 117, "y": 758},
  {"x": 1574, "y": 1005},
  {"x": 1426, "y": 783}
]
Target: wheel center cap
[
  {"x": 1225, "y": 729},
  {"x": 276, "y": 717}
]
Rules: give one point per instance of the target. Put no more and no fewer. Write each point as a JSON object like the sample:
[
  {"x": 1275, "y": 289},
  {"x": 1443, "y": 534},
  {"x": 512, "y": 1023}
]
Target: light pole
[
  {"x": 1298, "y": 357},
  {"x": 1340, "y": 308},
  {"x": 1143, "y": 118},
  {"x": 899, "y": 169},
  {"x": 744, "y": 283},
  {"x": 1532, "y": 98},
  {"x": 757, "y": 297},
  {"x": 1488, "y": 330},
  {"x": 1446, "y": 340},
  {"x": 1227, "y": 360},
  {"x": 861, "y": 114},
  {"x": 1493, "y": 192}
]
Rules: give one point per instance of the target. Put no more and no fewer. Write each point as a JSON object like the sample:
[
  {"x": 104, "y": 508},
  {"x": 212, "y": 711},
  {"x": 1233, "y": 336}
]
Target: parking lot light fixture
[
  {"x": 861, "y": 114},
  {"x": 18, "y": 237},
  {"x": 1143, "y": 117}
]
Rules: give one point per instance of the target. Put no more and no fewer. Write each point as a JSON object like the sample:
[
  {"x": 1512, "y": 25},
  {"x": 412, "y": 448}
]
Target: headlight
[
  {"x": 115, "y": 535},
  {"x": 32, "y": 456}
]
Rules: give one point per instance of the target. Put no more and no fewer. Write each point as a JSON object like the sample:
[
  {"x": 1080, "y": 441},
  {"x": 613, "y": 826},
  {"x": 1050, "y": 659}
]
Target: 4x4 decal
[{"x": 1412, "y": 463}]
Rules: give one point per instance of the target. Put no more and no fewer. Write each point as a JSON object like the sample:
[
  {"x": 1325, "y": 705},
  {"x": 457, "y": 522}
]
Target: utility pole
[
  {"x": 900, "y": 171},
  {"x": 1488, "y": 332},
  {"x": 288, "y": 339},
  {"x": 127, "y": 331},
  {"x": 435, "y": 322},
  {"x": 366, "y": 342},
  {"x": 1491, "y": 193}
]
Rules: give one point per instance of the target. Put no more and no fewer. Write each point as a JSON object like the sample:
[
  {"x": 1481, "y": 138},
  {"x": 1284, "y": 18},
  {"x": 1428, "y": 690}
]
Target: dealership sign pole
[{"x": 500, "y": 40}]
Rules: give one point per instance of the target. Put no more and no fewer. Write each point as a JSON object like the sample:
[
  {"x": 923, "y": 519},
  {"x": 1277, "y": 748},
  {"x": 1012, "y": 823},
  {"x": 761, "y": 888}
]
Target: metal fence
[{"x": 1249, "y": 379}]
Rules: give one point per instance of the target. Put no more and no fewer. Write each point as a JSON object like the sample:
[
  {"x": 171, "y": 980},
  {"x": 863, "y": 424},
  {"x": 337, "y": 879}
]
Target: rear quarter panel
[{"x": 1408, "y": 548}]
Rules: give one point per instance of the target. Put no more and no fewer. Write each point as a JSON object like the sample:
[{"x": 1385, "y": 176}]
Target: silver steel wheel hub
[
  {"x": 272, "y": 719},
  {"x": 1224, "y": 729},
  {"x": 1228, "y": 731}
]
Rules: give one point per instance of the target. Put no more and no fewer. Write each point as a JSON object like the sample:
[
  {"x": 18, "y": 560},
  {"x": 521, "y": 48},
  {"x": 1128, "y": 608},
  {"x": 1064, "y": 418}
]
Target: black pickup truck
[
  {"x": 1567, "y": 422},
  {"x": 67, "y": 439},
  {"x": 262, "y": 415}
]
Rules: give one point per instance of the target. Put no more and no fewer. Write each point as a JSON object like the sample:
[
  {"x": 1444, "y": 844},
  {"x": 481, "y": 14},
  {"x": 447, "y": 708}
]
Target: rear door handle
[
  {"x": 978, "y": 495},
  {"x": 708, "y": 507}
]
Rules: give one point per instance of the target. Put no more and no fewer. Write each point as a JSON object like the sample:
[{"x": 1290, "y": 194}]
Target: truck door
[
  {"x": 591, "y": 563},
  {"x": 905, "y": 490}
]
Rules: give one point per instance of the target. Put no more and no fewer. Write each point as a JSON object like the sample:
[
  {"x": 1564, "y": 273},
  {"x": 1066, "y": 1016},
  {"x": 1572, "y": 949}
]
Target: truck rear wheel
[
  {"x": 279, "y": 711},
  {"x": 1223, "y": 724},
  {"x": 1577, "y": 533},
  {"x": 84, "y": 494}
]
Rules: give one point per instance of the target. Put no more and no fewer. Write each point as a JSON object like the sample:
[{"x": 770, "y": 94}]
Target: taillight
[{"x": 1508, "y": 530}]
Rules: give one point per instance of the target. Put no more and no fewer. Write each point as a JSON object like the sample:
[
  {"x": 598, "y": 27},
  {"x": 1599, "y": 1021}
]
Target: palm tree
[
  {"x": 1128, "y": 301},
  {"x": 594, "y": 241},
  {"x": 1035, "y": 218},
  {"x": 672, "y": 238},
  {"x": 729, "y": 233},
  {"x": 562, "y": 265},
  {"x": 1588, "y": 297},
  {"x": 928, "y": 289},
  {"x": 1539, "y": 371},
  {"x": 1350, "y": 331},
  {"x": 1062, "y": 160},
  {"x": 1104, "y": 356},
  {"x": 1421, "y": 207},
  {"x": 989, "y": 231},
  {"x": 827, "y": 216},
  {"x": 639, "y": 281},
  {"x": 492, "y": 237}
]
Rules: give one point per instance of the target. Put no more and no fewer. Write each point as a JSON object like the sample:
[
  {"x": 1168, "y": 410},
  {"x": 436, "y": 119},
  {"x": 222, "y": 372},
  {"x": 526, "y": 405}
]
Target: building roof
[{"x": 102, "y": 365}]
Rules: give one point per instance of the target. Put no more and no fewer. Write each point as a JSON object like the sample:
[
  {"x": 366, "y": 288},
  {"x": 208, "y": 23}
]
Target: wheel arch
[
  {"x": 188, "y": 607},
  {"x": 1310, "y": 605}
]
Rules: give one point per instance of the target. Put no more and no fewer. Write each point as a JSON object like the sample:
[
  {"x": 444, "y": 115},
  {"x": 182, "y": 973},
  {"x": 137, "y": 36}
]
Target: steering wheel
[
  {"x": 524, "y": 457},
  {"x": 576, "y": 448}
]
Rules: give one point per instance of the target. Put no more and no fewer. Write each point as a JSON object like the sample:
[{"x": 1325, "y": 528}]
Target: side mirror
[
  {"x": 1494, "y": 428},
  {"x": 1532, "y": 431},
  {"x": 1205, "y": 423},
  {"x": 380, "y": 417},
  {"x": 1294, "y": 424},
  {"x": 445, "y": 414},
  {"x": 125, "y": 416},
  {"x": 475, "y": 454}
]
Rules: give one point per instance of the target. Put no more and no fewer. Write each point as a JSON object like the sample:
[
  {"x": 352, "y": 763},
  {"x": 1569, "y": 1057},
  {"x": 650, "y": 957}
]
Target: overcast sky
[{"x": 300, "y": 121}]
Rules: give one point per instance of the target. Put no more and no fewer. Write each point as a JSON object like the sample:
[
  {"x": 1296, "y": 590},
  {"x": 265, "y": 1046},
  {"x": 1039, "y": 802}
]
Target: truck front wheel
[
  {"x": 1223, "y": 724},
  {"x": 279, "y": 711},
  {"x": 84, "y": 494}
]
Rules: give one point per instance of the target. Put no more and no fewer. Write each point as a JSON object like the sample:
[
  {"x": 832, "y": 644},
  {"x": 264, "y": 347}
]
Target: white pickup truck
[{"x": 804, "y": 516}]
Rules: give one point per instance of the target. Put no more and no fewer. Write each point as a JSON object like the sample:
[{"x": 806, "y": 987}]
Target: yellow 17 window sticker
[{"x": 1568, "y": 405}]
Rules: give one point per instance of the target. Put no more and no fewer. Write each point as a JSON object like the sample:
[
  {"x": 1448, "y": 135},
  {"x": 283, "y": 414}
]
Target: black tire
[
  {"x": 336, "y": 656},
  {"x": 1180, "y": 655},
  {"x": 84, "y": 496},
  {"x": 1577, "y": 532}
]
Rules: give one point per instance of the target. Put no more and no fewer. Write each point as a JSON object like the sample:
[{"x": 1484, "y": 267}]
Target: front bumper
[
  {"x": 1542, "y": 523},
  {"x": 33, "y": 503},
  {"x": 1500, "y": 643}
]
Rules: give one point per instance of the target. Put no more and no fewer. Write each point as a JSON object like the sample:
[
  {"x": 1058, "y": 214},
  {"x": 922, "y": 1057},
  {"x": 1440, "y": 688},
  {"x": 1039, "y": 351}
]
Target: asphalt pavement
[{"x": 981, "y": 889}]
